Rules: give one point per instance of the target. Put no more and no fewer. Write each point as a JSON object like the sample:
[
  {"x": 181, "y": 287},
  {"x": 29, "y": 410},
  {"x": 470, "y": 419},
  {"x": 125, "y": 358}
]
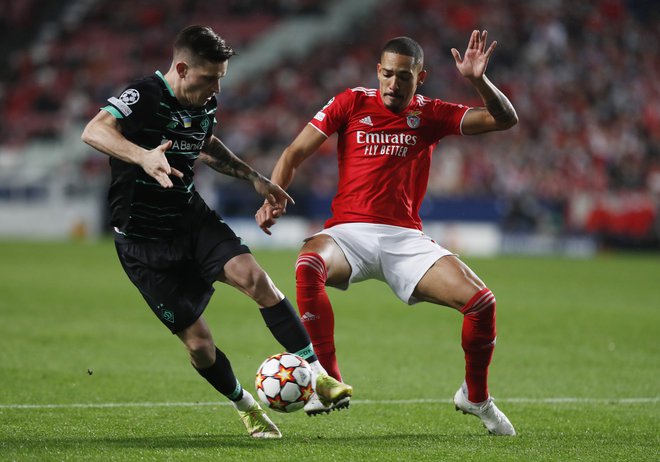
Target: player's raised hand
[
  {"x": 155, "y": 164},
  {"x": 473, "y": 65}
]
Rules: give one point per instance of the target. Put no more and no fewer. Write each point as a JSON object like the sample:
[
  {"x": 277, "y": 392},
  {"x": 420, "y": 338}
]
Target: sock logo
[
  {"x": 309, "y": 317},
  {"x": 305, "y": 352}
]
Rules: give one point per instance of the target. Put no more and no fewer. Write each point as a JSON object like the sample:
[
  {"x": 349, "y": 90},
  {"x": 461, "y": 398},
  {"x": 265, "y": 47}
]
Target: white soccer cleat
[
  {"x": 315, "y": 407},
  {"x": 258, "y": 424},
  {"x": 493, "y": 419}
]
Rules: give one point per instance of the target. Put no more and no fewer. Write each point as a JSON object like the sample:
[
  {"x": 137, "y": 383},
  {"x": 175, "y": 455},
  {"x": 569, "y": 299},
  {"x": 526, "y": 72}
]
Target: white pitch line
[{"x": 566, "y": 400}]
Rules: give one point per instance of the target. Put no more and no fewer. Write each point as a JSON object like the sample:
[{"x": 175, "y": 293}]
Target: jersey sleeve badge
[{"x": 126, "y": 99}]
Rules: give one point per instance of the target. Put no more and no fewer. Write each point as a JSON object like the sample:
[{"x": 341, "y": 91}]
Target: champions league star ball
[{"x": 284, "y": 382}]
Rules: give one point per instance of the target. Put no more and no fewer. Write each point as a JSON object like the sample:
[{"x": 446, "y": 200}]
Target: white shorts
[{"x": 397, "y": 256}]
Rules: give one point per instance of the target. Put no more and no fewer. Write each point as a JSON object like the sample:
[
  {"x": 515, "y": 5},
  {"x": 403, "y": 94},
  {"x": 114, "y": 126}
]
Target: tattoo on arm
[
  {"x": 500, "y": 108},
  {"x": 222, "y": 160},
  {"x": 497, "y": 104}
]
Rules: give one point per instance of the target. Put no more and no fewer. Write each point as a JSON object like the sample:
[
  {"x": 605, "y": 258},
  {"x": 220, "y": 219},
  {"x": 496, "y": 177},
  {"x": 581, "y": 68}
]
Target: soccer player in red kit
[{"x": 386, "y": 137}]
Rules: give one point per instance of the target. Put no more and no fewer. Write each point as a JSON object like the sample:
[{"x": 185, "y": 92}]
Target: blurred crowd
[
  {"x": 57, "y": 79},
  {"x": 583, "y": 76}
]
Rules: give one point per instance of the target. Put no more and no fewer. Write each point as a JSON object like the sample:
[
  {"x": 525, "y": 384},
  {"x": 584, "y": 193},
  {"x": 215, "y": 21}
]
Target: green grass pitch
[{"x": 88, "y": 373}]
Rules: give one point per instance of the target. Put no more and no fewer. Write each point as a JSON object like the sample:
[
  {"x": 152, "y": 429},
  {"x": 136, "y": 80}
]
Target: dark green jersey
[{"x": 149, "y": 114}]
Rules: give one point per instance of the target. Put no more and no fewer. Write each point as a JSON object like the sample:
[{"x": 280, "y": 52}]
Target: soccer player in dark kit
[
  {"x": 172, "y": 246},
  {"x": 386, "y": 137}
]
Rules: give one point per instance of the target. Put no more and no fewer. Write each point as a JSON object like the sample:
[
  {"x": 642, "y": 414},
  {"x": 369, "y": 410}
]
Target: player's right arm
[
  {"x": 103, "y": 133},
  {"x": 306, "y": 143}
]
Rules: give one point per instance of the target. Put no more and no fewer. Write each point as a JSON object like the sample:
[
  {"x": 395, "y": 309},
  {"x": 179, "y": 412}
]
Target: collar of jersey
[{"x": 159, "y": 74}]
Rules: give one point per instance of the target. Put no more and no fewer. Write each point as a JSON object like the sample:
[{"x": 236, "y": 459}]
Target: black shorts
[{"x": 176, "y": 276}]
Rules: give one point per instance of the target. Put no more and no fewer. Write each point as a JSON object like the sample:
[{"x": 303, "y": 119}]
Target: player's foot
[
  {"x": 258, "y": 424},
  {"x": 314, "y": 406},
  {"x": 493, "y": 419},
  {"x": 330, "y": 390}
]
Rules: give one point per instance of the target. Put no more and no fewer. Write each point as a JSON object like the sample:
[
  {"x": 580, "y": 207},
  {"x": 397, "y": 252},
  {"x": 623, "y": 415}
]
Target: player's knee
[
  {"x": 311, "y": 270},
  {"x": 482, "y": 301},
  {"x": 479, "y": 332}
]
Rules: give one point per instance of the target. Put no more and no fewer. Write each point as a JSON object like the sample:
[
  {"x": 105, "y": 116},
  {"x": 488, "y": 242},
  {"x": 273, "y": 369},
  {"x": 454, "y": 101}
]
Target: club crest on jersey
[
  {"x": 205, "y": 123},
  {"x": 413, "y": 119},
  {"x": 187, "y": 121}
]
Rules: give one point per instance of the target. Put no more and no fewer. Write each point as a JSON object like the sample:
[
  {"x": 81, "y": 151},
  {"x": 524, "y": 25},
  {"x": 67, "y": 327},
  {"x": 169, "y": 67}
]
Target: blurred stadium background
[{"x": 580, "y": 173}]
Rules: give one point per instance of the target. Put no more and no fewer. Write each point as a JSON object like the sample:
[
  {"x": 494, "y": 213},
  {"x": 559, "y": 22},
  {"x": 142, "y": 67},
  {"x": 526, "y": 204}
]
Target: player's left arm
[
  {"x": 498, "y": 113},
  {"x": 220, "y": 158}
]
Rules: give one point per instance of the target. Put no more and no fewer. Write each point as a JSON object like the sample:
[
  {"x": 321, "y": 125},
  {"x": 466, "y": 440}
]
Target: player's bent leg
[
  {"x": 283, "y": 323},
  {"x": 320, "y": 263},
  {"x": 478, "y": 341},
  {"x": 318, "y": 318},
  {"x": 279, "y": 315},
  {"x": 478, "y": 337},
  {"x": 315, "y": 309},
  {"x": 452, "y": 283},
  {"x": 214, "y": 366}
]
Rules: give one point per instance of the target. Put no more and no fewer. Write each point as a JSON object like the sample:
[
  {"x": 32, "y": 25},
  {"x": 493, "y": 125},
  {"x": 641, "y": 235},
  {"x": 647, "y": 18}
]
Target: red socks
[
  {"x": 315, "y": 309},
  {"x": 477, "y": 339},
  {"x": 478, "y": 342}
]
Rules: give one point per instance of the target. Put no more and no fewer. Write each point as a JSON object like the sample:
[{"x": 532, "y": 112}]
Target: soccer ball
[{"x": 284, "y": 382}]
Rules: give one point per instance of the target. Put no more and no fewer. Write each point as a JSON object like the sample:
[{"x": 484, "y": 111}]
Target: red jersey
[{"x": 384, "y": 157}]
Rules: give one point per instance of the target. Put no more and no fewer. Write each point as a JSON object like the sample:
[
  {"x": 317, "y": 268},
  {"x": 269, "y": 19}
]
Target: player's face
[
  {"x": 201, "y": 82},
  {"x": 398, "y": 76}
]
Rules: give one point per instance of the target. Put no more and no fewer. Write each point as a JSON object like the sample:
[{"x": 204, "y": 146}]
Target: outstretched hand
[
  {"x": 155, "y": 164},
  {"x": 473, "y": 65}
]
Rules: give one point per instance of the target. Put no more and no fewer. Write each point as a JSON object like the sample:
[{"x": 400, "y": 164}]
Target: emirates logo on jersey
[
  {"x": 386, "y": 138},
  {"x": 385, "y": 144}
]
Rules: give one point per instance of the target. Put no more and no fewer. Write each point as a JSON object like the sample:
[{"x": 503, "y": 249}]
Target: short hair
[
  {"x": 203, "y": 43},
  {"x": 407, "y": 47}
]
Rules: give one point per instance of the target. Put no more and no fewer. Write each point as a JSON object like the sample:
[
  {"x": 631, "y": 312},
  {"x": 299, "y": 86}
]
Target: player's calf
[
  {"x": 478, "y": 341},
  {"x": 316, "y": 310}
]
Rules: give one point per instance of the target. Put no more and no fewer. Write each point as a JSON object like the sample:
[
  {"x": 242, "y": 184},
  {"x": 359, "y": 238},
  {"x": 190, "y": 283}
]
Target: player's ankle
[{"x": 245, "y": 403}]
